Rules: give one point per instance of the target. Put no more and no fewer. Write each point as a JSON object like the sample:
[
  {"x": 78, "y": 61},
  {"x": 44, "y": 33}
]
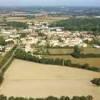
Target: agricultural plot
[
  {"x": 62, "y": 53},
  {"x": 70, "y": 50},
  {"x": 39, "y": 80}
]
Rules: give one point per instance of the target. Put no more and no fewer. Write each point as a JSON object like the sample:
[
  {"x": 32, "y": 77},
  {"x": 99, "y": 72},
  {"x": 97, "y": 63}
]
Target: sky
[{"x": 49, "y": 2}]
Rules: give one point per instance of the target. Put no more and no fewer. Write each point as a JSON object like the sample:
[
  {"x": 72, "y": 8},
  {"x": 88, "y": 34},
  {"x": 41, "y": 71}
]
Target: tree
[
  {"x": 51, "y": 98},
  {"x": 77, "y": 52},
  {"x": 89, "y": 97},
  {"x": 2, "y": 41},
  {"x": 96, "y": 81},
  {"x": 17, "y": 25},
  {"x": 1, "y": 78}
]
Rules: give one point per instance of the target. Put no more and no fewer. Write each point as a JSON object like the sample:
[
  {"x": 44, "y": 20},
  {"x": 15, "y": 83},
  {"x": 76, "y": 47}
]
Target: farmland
[
  {"x": 39, "y": 80},
  {"x": 64, "y": 53},
  {"x": 36, "y": 19},
  {"x": 70, "y": 50},
  {"x": 91, "y": 61}
]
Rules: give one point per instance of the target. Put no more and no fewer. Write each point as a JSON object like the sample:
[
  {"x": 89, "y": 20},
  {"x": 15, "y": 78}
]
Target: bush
[{"x": 96, "y": 81}]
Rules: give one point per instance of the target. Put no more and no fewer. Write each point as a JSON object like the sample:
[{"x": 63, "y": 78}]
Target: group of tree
[
  {"x": 2, "y": 41},
  {"x": 21, "y": 54},
  {"x": 2, "y": 97},
  {"x": 1, "y": 78},
  {"x": 78, "y": 54},
  {"x": 96, "y": 81},
  {"x": 17, "y": 25},
  {"x": 79, "y": 24}
]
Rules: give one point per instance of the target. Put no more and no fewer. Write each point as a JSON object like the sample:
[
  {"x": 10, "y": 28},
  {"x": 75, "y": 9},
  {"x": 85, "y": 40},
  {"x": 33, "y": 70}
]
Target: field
[
  {"x": 39, "y": 80},
  {"x": 37, "y": 19},
  {"x": 91, "y": 61},
  {"x": 70, "y": 50},
  {"x": 62, "y": 54}
]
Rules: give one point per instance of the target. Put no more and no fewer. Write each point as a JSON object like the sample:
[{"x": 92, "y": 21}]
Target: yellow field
[{"x": 39, "y": 80}]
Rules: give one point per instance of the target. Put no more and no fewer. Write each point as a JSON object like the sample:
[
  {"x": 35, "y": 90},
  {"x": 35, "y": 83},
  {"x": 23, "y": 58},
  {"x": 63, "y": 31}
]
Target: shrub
[{"x": 96, "y": 81}]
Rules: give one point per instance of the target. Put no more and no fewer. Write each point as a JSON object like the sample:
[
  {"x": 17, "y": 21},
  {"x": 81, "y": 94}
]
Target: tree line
[
  {"x": 2, "y": 97},
  {"x": 17, "y": 25}
]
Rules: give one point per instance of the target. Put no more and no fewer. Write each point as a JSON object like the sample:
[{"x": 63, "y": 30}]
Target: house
[{"x": 2, "y": 48}]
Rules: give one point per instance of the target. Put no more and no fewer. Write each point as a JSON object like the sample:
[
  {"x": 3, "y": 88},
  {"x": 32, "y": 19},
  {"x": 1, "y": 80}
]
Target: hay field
[{"x": 39, "y": 80}]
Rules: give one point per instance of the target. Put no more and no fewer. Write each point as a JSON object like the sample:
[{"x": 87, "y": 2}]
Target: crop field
[
  {"x": 62, "y": 53},
  {"x": 25, "y": 78},
  {"x": 91, "y": 50},
  {"x": 70, "y": 50}
]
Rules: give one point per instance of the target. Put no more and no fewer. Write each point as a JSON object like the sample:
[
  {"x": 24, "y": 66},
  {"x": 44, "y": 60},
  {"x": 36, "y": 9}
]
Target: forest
[{"x": 79, "y": 24}]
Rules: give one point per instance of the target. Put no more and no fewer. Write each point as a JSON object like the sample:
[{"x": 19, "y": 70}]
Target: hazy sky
[{"x": 49, "y": 2}]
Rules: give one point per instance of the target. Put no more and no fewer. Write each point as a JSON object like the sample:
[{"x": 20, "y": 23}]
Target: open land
[{"x": 25, "y": 78}]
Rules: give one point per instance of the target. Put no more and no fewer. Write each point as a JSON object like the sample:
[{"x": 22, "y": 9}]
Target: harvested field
[{"x": 25, "y": 78}]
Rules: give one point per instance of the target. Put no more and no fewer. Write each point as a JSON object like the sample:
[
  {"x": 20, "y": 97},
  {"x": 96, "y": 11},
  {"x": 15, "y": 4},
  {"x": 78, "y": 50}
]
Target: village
[{"x": 41, "y": 35}]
